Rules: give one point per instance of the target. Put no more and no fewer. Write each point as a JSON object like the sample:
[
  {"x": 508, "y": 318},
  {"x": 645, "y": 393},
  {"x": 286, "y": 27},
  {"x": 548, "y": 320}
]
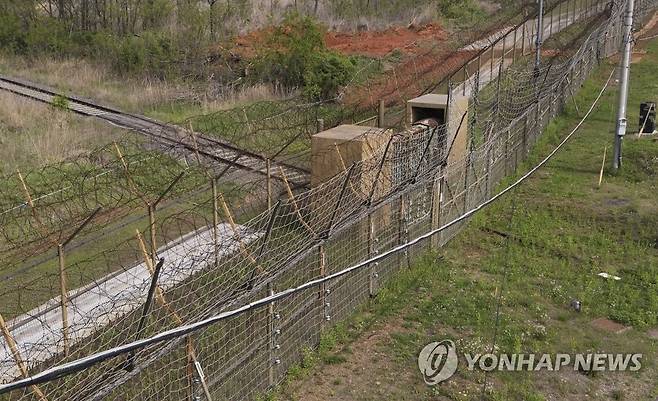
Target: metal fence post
[
  {"x": 437, "y": 203},
  {"x": 322, "y": 296},
  {"x": 401, "y": 228},
  {"x": 373, "y": 274},
  {"x": 525, "y": 135},
  {"x": 488, "y": 181},
  {"x": 272, "y": 345},
  {"x": 467, "y": 167},
  {"x": 63, "y": 298}
]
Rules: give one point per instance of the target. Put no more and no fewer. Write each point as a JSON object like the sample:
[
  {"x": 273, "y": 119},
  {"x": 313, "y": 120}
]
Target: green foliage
[
  {"x": 60, "y": 102},
  {"x": 290, "y": 49},
  {"x": 151, "y": 52},
  {"x": 463, "y": 12},
  {"x": 327, "y": 72},
  {"x": 11, "y": 35},
  {"x": 295, "y": 55}
]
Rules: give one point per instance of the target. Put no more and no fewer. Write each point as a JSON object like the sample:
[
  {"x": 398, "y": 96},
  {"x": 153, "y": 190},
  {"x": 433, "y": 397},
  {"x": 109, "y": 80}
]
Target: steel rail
[{"x": 168, "y": 134}]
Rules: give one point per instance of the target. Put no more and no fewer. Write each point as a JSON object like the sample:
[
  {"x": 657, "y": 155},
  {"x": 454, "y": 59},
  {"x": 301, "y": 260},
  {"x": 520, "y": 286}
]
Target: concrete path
[{"x": 38, "y": 333}]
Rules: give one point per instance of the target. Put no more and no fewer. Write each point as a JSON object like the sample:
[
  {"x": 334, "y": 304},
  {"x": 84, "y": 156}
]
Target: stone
[{"x": 653, "y": 333}]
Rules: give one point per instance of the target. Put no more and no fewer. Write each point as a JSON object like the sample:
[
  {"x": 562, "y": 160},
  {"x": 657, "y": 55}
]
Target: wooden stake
[
  {"x": 196, "y": 145},
  {"x": 291, "y": 197},
  {"x": 382, "y": 112},
  {"x": 605, "y": 150},
  {"x": 18, "y": 359},
  {"x": 131, "y": 183},
  {"x": 159, "y": 295},
  {"x": 234, "y": 227},
  {"x": 28, "y": 199},
  {"x": 269, "y": 184},
  {"x": 342, "y": 162},
  {"x": 154, "y": 247},
  {"x": 63, "y": 301}
]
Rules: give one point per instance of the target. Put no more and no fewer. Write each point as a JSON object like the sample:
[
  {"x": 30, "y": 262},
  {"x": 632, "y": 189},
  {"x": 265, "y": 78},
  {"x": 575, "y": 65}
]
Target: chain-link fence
[{"x": 226, "y": 309}]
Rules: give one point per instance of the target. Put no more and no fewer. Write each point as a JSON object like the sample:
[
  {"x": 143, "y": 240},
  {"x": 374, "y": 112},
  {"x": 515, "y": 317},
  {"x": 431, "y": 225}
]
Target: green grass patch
[{"x": 562, "y": 230}]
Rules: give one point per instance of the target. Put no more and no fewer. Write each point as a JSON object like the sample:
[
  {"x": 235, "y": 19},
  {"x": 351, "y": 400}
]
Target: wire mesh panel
[{"x": 225, "y": 292}]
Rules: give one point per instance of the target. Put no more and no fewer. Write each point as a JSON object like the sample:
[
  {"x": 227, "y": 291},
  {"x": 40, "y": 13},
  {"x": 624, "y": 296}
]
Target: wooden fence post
[
  {"x": 269, "y": 183},
  {"x": 20, "y": 363},
  {"x": 63, "y": 301}
]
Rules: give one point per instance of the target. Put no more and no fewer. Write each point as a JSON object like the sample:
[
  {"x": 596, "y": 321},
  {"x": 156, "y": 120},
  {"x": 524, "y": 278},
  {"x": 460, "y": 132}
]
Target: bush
[
  {"x": 326, "y": 73},
  {"x": 150, "y": 52},
  {"x": 60, "y": 102},
  {"x": 12, "y": 33},
  {"x": 464, "y": 12},
  {"x": 49, "y": 36},
  {"x": 296, "y": 56}
]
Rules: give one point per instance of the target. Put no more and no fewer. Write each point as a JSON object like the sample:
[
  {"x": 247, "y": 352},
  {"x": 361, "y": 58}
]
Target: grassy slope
[{"x": 569, "y": 230}]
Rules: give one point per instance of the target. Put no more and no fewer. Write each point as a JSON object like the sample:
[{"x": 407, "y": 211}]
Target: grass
[
  {"x": 33, "y": 134},
  {"x": 562, "y": 230}
]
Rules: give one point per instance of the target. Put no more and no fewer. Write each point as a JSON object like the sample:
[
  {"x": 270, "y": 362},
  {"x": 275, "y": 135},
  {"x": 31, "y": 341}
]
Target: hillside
[{"x": 539, "y": 248}]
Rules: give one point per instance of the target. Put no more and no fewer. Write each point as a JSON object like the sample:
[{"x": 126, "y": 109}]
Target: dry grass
[
  {"x": 95, "y": 81},
  {"x": 33, "y": 134},
  {"x": 227, "y": 98},
  {"x": 143, "y": 96}
]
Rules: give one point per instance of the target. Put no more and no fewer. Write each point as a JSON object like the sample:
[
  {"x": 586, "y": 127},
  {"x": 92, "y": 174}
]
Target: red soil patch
[
  {"x": 378, "y": 44},
  {"x": 367, "y": 43},
  {"x": 421, "y": 69}
]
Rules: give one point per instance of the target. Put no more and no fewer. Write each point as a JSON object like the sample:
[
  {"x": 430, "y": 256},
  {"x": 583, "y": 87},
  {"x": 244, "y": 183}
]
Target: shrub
[
  {"x": 49, "y": 36},
  {"x": 150, "y": 52},
  {"x": 60, "y": 102},
  {"x": 326, "y": 73},
  {"x": 463, "y": 12},
  {"x": 296, "y": 56},
  {"x": 12, "y": 33}
]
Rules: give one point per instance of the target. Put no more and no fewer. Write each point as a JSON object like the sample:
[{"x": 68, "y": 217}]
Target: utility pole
[
  {"x": 540, "y": 35},
  {"x": 624, "y": 72}
]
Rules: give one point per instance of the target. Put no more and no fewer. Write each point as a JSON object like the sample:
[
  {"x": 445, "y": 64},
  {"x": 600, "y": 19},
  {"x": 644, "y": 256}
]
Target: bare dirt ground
[{"x": 380, "y": 43}]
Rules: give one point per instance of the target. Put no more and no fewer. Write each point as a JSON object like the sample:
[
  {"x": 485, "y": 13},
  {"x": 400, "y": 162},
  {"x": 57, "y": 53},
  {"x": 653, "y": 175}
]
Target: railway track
[{"x": 168, "y": 135}]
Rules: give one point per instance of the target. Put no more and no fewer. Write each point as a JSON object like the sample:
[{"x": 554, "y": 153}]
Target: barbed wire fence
[{"x": 233, "y": 255}]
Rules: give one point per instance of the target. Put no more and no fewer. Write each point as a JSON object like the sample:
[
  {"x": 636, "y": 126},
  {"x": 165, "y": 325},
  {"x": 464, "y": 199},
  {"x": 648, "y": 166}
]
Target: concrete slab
[
  {"x": 343, "y": 145},
  {"x": 348, "y": 132},
  {"x": 430, "y": 101}
]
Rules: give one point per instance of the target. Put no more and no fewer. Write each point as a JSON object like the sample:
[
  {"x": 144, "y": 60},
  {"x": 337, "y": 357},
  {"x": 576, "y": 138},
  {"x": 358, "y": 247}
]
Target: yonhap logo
[{"x": 438, "y": 361}]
